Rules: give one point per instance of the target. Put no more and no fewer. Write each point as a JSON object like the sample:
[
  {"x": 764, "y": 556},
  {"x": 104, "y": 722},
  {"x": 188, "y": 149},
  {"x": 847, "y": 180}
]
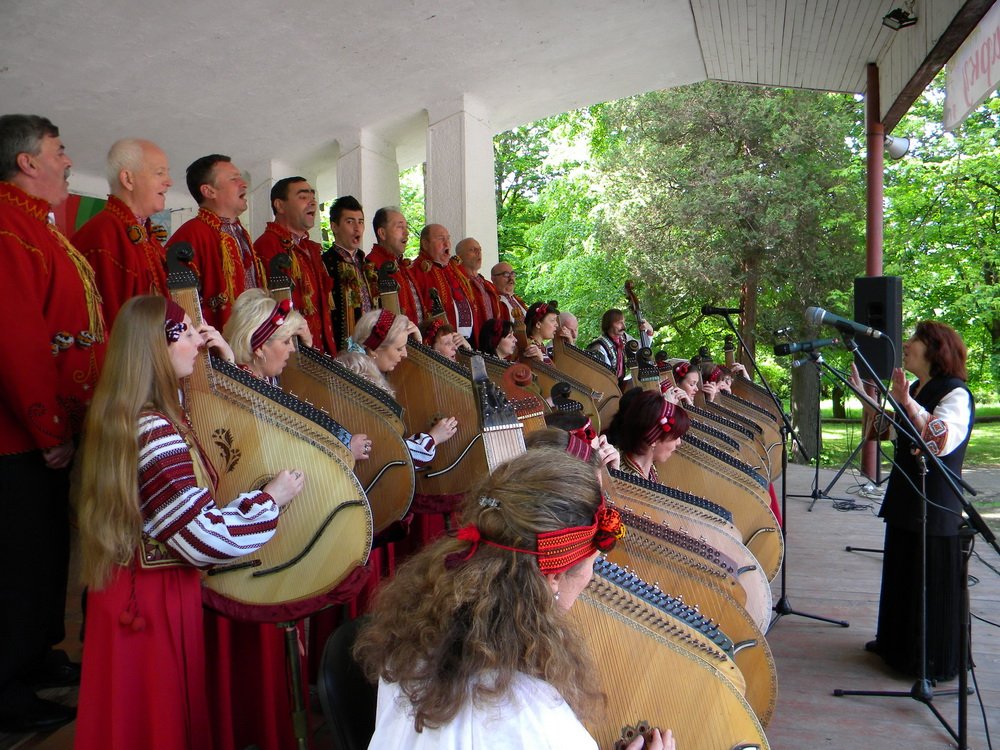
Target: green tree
[
  {"x": 732, "y": 195},
  {"x": 942, "y": 228}
]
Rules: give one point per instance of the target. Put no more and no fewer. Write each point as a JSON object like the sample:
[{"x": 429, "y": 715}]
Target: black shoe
[
  {"x": 56, "y": 671},
  {"x": 873, "y": 647},
  {"x": 40, "y": 716}
]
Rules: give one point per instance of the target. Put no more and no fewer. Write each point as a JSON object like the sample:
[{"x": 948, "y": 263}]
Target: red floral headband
[
  {"x": 715, "y": 376},
  {"x": 664, "y": 424},
  {"x": 432, "y": 331},
  {"x": 557, "y": 551},
  {"x": 380, "y": 331},
  {"x": 173, "y": 321},
  {"x": 681, "y": 369},
  {"x": 273, "y": 322}
]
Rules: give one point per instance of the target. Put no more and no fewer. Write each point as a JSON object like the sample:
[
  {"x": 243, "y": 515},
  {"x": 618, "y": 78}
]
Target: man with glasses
[{"x": 503, "y": 279}]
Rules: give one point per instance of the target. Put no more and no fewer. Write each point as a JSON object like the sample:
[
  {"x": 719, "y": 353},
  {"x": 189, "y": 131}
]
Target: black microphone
[
  {"x": 818, "y": 316},
  {"x": 803, "y": 346},
  {"x": 709, "y": 310}
]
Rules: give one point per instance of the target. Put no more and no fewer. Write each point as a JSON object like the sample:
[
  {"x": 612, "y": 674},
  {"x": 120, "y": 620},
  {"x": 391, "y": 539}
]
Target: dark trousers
[{"x": 34, "y": 562}]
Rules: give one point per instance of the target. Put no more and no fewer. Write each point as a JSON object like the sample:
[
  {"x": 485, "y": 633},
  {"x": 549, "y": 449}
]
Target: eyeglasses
[{"x": 507, "y": 274}]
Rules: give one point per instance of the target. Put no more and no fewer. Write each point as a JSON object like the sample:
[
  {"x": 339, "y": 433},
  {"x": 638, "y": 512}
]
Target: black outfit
[
  {"x": 34, "y": 554},
  {"x": 899, "y": 606}
]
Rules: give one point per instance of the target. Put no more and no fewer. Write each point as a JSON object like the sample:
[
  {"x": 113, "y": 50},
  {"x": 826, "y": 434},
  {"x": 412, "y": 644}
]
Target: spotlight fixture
[
  {"x": 897, "y": 18},
  {"x": 897, "y": 148}
]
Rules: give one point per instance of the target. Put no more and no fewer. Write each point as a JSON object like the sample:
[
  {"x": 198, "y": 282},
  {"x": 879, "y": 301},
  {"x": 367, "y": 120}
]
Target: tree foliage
[
  {"x": 734, "y": 196},
  {"x": 942, "y": 232}
]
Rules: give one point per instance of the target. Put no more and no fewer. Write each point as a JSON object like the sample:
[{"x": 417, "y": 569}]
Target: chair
[{"x": 347, "y": 698}]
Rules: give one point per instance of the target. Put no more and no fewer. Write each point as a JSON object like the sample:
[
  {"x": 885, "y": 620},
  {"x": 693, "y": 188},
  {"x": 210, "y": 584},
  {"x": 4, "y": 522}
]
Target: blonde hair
[
  {"x": 363, "y": 365},
  {"x": 401, "y": 326},
  {"x": 448, "y": 635},
  {"x": 250, "y": 311},
  {"x": 137, "y": 377}
]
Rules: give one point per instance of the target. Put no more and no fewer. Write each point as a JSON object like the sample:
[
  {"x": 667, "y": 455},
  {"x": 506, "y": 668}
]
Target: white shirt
[{"x": 532, "y": 715}]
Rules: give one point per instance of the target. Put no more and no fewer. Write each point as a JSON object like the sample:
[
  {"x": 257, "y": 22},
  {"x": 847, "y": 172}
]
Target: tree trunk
[
  {"x": 805, "y": 411},
  {"x": 839, "y": 411},
  {"x": 748, "y": 301}
]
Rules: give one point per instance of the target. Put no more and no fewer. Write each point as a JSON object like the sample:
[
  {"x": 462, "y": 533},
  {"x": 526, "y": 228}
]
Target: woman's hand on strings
[
  {"x": 361, "y": 446},
  {"x": 608, "y": 453},
  {"x": 285, "y": 486},
  {"x": 658, "y": 740},
  {"x": 443, "y": 430}
]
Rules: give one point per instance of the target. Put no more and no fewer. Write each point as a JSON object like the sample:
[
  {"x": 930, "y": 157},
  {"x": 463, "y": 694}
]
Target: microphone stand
[
  {"x": 783, "y": 606},
  {"x": 922, "y": 690}
]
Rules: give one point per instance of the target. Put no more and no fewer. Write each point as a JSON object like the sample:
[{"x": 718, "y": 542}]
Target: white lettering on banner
[{"x": 974, "y": 70}]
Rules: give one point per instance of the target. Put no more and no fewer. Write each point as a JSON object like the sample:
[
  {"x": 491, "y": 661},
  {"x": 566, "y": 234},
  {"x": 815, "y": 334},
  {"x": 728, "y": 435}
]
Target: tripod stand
[{"x": 783, "y": 605}]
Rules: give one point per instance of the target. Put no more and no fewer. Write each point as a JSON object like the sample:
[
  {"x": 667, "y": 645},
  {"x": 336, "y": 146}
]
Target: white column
[
  {"x": 368, "y": 170},
  {"x": 460, "y": 193}
]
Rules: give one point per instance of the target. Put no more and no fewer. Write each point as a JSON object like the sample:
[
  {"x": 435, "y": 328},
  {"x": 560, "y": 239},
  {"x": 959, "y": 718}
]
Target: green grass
[{"x": 840, "y": 438}]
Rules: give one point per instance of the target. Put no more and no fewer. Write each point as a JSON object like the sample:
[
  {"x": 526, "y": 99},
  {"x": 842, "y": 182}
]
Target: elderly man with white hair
[{"x": 119, "y": 241}]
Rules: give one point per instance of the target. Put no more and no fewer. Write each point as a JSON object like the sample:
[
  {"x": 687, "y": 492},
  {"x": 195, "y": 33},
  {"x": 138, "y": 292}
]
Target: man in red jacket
[
  {"x": 391, "y": 234},
  {"x": 479, "y": 289},
  {"x": 44, "y": 392},
  {"x": 293, "y": 201},
  {"x": 224, "y": 258},
  {"x": 118, "y": 242},
  {"x": 433, "y": 270}
]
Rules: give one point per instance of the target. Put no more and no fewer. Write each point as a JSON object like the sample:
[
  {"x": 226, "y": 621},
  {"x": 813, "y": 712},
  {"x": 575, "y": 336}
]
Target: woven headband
[
  {"x": 273, "y": 322},
  {"x": 432, "y": 331},
  {"x": 380, "y": 331},
  {"x": 664, "y": 424},
  {"x": 557, "y": 551}
]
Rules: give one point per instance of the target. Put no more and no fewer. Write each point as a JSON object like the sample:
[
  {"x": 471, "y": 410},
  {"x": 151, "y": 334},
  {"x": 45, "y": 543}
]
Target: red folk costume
[
  {"x": 486, "y": 300},
  {"x": 145, "y": 669},
  {"x": 61, "y": 331},
  {"x": 224, "y": 268},
  {"x": 429, "y": 275},
  {"x": 128, "y": 260},
  {"x": 355, "y": 289},
  {"x": 513, "y": 307},
  {"x": 409, "y": 294},
  {"x": 313, "y": 288}
]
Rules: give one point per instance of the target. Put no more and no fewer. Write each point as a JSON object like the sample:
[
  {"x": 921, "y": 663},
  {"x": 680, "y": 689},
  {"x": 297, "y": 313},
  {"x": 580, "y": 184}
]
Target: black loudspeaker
[{"x": 878, "y": 304}]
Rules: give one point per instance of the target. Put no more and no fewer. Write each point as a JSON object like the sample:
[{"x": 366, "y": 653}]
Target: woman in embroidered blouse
[
  {"x": 262, "y": 334},
  {"x": 148, "y": 521},
  {"x": 646, "y": 430},
  {"x": 470, "y": 643},
  {"x": 497, "y": 337},
  {"x": 942, "y": 408},
  {"x": 380, "y": 337}
]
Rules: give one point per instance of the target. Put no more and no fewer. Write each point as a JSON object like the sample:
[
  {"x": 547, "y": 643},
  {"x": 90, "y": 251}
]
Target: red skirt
[{"x": 145, "y": 686}]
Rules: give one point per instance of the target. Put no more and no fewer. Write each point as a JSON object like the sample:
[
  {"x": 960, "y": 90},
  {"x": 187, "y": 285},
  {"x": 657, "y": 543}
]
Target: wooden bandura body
[
  {"x": 648, "y": 552},
  {"x": 703, "y": 541},
  {"x": 698, "y": 468},
  {"x": 653, "y": 669},
  {"x": 430, "y": 387},
  {"x": 387, "y": 476},
  {"x": 586, "y": 369},
  {"x": 250, "y": 431}
]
